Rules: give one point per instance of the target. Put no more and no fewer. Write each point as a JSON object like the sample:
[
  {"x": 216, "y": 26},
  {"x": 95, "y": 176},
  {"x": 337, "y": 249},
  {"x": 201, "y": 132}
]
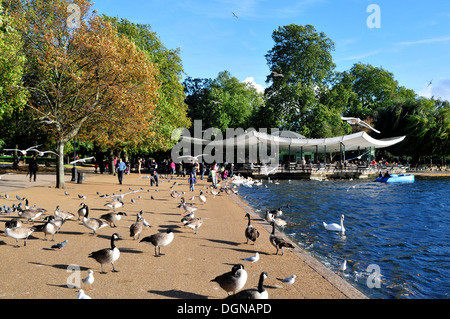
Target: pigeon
[
  {"x": 60, "y": 246},
  {"x": 66, "y": 193},
  {"x": 82, "y": 196}
]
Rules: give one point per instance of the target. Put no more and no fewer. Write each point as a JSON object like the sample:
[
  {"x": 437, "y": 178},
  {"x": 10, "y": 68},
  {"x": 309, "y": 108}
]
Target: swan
[{"x": 335, "y": 227}]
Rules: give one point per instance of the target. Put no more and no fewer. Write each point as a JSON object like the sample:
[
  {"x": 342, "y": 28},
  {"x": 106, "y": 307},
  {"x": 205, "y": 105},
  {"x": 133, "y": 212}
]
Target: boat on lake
[{"x": 396, "y": 178}]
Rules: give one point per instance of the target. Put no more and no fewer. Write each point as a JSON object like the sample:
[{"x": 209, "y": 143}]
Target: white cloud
[
  {"x": 251, "y": 81},
  {"x": 440, "y": 90},
  {"x": 425, "y": 41}
]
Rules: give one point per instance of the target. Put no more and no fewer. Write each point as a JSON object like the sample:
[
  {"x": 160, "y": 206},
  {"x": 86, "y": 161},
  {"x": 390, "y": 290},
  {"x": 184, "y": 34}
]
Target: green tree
[
  {"x": 301, "y": 64},
  {"x": 11, "y": 65}
]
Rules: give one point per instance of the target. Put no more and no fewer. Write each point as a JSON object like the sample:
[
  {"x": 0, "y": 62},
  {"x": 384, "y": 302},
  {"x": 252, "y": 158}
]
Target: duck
[
  {"x": 89, "y": 280},
  {"x": 195, "y": 224},
  {"x": 335, "y": 227},
  {"x": 112, "y": 218},
  {"x": 279, "y": 242},
  {"x": 19, "y": 233},
  {"x": 251, "y": 233},
  {"x": 136, "y": 228},
  {"x": 63, "y": 214},
  {"x": 107, "y": 255},
  {"x": 159, "y": 240},
  {"x": 93, "y": 224},
  {"x": 233, "y": 280},
  {"x": 115, "y": 204},
  {"x": 259, "y": 293},
  {"x": 82, "y": 211}
]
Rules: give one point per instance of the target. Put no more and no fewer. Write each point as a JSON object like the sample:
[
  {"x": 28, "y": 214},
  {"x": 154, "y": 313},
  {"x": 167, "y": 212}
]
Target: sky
[{"x": 409, "y": 38}]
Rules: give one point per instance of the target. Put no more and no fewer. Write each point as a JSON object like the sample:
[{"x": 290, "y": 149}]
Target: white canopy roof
[{"x": 351, "y": 142}]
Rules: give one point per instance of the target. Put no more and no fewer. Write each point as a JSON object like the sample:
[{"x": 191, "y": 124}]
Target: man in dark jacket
[{"x": 33, "y": 167}]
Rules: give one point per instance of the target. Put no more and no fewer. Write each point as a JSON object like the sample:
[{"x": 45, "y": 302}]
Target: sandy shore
[{"x": 185, "y": 269}]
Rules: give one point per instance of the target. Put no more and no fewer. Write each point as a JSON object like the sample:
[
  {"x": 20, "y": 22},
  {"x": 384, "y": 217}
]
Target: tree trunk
[{"x": 60, "y": 164}]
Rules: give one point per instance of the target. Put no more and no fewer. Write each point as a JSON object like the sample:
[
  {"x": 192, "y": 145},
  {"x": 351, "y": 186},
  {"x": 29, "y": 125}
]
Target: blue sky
[{"x": 413, "y": 40}]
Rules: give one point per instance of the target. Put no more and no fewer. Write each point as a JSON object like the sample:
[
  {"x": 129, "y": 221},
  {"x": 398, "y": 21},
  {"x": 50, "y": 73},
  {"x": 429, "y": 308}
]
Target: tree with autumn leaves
[{"x": 84, "y": 80}]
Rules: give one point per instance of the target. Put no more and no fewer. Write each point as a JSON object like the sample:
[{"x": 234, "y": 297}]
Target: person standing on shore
[
  {"x": 33, "y": 167},
  {"x": 120, "y": 167}
]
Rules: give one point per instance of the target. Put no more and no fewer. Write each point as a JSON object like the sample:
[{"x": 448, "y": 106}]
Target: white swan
[{"x": 336, "y": 227}]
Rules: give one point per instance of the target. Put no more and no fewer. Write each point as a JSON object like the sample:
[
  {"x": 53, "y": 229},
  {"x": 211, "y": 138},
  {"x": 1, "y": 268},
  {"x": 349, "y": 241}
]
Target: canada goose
[
  {"x": 63, "y": 214},
  {"x": 195, "y": 224},
  {"x": 202, "y": 198},
  {"x": 93, "y": 224},
  {"x": 188, "y": 208},
  {"x": 336, "y": 227},
  {"x": 260, "y": 293},
  {"x": 233, "y": 280},
  {"x": 14, "y": 222},
  {"x": 89, "y": 280},
  {"x": 136, "y": 228},
  {"x": 276, "y": 212},
  {"x": 251, "y": 232},
  {"x": 50, "y": 229},
  {"x": 159, "y": 240},
  {"x": 107, "y": 255},
  {"x": 19, "y": 233},
  {"x": 58, "y": 221},
  {"x": 112, "y": 218},
  {"x": 82, "y": 211},
  {"x": 278, "y": 242},
  {"x": 31, "y": 214},
  {"x": 115, "y": 204}
]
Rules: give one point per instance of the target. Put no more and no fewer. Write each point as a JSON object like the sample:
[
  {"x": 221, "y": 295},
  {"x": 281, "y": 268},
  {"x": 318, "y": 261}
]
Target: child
[{"x": 192, "y": 181}]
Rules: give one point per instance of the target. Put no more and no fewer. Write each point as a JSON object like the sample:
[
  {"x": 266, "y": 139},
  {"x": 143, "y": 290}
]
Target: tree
[
  {"x": 223, "y": 103},
  {"x": 171, "y": 110},
  {"x": 11, "y": 65},
  {"x": 83, "y": 76},
  {"x": 300, "y": 63}
]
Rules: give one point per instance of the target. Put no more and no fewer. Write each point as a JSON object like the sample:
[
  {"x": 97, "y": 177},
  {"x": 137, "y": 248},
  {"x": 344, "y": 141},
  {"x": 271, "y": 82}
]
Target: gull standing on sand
[
  {"x": 89, "y": 280},
  {"x": 252, "y": 259},
  {"x": 288, "y": 280}
]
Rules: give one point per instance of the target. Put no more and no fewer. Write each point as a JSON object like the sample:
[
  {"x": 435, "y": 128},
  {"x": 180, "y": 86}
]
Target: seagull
[
  {"x": 40, "y": 153},
  {"x": 355, "y": 120},
  {"x": 24, "y": 152},
  {"x": 146, "y": 224},
  {"x": 82, "y": 196},
  {"x": 288, "y": 280},
  {"x": 343, "y": 266},
  {"x": 6, "y": 174},
  {"x": 277, "y": 75},
  {"x": 82, "y": 295},
  {"x": 234, "y": 15},
  {"x": 89, "y": 280},
  {"x": 192, "y": 158},
  {"x": 252, "y": 259},
  {"x": 82, "y": 160},
  {"x": 431, "y": 82}
]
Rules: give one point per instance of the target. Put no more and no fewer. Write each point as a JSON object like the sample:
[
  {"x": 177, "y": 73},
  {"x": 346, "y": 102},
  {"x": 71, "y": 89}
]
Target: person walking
[
  {"x": 33, "y": 167},
  {"x": 192, "y": 181},
  {"x": 120, "y": 168}
]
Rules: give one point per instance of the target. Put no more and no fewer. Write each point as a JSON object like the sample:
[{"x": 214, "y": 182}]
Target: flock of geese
[{"x": 231, "y": 282}]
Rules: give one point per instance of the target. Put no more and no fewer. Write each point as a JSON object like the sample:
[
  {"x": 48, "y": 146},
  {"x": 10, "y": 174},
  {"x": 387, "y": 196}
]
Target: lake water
[{"x": 397, "y": 236}]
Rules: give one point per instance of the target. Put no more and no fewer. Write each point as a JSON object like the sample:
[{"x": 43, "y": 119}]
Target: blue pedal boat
[{"x": 396, "y": 178}]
